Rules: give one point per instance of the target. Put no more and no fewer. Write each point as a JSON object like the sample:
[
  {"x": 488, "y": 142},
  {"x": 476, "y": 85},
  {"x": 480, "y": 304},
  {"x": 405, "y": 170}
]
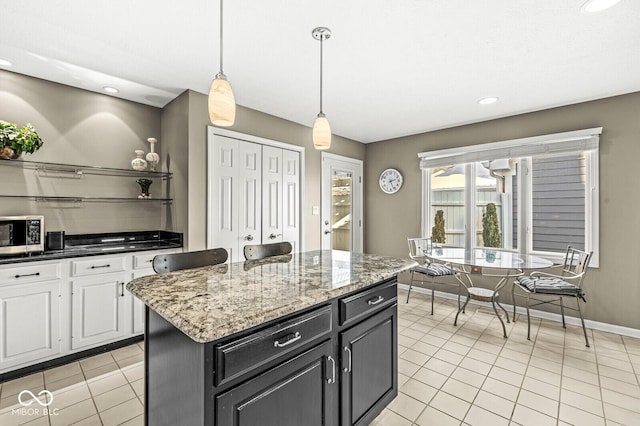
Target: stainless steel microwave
[{"x": 21, "y": 234}]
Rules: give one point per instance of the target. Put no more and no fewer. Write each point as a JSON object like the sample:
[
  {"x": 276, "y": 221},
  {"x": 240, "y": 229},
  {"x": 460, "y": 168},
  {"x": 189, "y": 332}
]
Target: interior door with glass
[{"x": 341, "y": 203}]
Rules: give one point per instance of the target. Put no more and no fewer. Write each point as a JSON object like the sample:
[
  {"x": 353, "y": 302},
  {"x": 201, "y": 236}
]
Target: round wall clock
[{"x": 390, "y": 181}]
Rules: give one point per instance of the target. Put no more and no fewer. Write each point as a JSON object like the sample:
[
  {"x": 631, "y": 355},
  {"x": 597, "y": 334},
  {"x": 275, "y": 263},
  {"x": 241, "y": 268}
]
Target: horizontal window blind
[{"x": 579, "y": 140}]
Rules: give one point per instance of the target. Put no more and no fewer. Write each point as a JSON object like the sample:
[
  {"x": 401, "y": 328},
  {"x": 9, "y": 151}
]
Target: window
[{"x": 533, "y": 195}]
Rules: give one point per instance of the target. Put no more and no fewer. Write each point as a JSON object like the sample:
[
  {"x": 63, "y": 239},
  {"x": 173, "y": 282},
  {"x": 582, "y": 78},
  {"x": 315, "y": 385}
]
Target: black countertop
[{"x": 106, "y": 243}]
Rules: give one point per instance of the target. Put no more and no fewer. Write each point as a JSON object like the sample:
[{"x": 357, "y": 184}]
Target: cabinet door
[
  {"x": 97, "y": 310},
  {"x": 291, "y": 198},
  {"x": 249, "y": 195},
  {"x": 30, "y": 326},
  {"x": 271, "y": 194},
  {"x": 136, "y": 305},
  {"x": 294, "y": 393},
  {"x": 369, "y": 367}
]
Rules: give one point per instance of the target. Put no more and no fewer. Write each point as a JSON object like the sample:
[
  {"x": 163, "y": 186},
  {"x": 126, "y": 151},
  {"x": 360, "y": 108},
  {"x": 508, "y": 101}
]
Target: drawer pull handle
[
  {"x": 332, "y": 379},
  {"x": 292, "y": 338},
  {"x": 375, "y": 301},
  {"x": 122, "y": 289},
  {"x": 100, "y": 266},
  {"x": 348, "y": 368},
  {"x": 35, "y": 274}
]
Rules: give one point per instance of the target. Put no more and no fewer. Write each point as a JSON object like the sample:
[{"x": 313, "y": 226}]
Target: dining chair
[
  {"x": 481, "y": 294},
  {"x": 419, "y": 248},
  {"x": 557, "y": 287},
  {"x": 163, "y": 263},
  {"x": 260, "y": 251}
]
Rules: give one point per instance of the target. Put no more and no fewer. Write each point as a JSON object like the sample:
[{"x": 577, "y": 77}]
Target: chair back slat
[
  {"x": 576, "y": 262},
  {"x": 418, "y": 247},
  {"x": 260, "y": 251},
  {"x": 163, "y": 263}
]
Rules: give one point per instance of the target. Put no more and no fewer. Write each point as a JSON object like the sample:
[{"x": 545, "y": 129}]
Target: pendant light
[
  {"x": 321, "y": 128},
  {"x": 222, "y": 103}
]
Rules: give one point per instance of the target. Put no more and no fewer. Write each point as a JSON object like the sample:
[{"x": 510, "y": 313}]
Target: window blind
[{"x": 578, "y": 140}]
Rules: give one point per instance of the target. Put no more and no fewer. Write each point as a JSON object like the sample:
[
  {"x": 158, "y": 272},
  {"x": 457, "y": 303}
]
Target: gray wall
[
  {"x": 193, "y": 144},
  {"x": 612, "y": 290},
  {"x": 85, "y": 128}
]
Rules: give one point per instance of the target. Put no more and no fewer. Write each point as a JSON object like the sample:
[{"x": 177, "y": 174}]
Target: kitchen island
[{"x": 303, "y": 339}]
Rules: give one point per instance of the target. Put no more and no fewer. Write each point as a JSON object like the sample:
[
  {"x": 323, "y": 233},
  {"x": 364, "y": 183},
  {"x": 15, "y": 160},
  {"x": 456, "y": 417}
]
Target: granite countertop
[
  {"x": 212, "y": 302},
  {"x": 81, "y": 245}
]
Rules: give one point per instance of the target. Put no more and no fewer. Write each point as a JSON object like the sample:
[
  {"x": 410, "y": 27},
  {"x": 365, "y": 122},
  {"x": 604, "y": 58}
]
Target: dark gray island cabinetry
[{"x": 304, "y": 339}]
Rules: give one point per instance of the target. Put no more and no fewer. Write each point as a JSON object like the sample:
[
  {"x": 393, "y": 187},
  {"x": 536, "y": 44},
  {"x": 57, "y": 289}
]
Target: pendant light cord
[
  {"x": 321, "y": 40},
  {"x": 221, "y": 2}
]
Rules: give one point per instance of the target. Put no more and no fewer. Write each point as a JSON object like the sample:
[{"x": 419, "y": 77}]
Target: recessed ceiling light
[
  {"x": 5, "y": 63},
  {"x": 594, "y": 6},
  {"x": 487, "y": 101},
  {"x": 110, "y": 89}
]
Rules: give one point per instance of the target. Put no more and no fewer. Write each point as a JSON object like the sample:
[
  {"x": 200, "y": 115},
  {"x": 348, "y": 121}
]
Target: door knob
[
  {"x": 249, "y": 237},
  {"x": 326, "y": 231},
  {"x": 274, "y": 236}
]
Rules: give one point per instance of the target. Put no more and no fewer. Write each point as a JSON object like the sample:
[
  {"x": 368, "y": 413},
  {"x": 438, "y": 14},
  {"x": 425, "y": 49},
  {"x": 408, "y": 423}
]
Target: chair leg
[
  {"x": 528, "y": 320},
  {"x": 562, "y": 312},
  {"x": 455, "y": 321},
  {"x": 410, "y": 284},
  {"x": 432, "y": 295},
  {"x": 503, "y": 309},
  {"x": 493, "y": 303},
  {"x": 513, "y": 300},
  {"x": 584, "y": 329}
]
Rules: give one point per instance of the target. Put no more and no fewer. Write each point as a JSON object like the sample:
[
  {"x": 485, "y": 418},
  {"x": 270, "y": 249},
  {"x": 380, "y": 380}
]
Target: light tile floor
[
  {"x": 106, "y": 389},
  {"x": 467, "y": 374},
  {"x": 471, "y": 375}
]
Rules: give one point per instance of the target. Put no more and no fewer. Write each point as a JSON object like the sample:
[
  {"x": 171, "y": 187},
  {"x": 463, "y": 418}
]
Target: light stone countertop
[{"x": 216, "y": 301}]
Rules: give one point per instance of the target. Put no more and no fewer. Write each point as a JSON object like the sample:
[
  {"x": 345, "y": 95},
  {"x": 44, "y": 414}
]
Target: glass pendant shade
[
  {"x": 222, "y": 103},
  {"x": 321, "y": 133}
]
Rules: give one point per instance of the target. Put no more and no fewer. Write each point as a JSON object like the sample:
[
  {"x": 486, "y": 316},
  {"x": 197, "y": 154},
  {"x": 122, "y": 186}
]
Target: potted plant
[{"x": 14, "y": 141}]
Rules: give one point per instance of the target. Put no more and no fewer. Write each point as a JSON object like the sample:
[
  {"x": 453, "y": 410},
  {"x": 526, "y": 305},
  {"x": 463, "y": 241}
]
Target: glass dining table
[{"x": 499, "y": 264}]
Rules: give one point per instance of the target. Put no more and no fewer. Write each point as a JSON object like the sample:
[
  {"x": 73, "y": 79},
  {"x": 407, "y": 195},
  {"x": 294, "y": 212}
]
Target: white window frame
[{"x": 586, "y": 140}]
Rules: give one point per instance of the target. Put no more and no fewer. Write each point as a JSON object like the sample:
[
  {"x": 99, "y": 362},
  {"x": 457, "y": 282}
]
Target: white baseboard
[{"x": 595, "y": 325}]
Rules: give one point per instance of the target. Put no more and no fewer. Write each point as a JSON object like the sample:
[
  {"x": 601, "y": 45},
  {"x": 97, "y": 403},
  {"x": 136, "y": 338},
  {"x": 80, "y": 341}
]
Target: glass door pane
[
  {"x": 341, "y": 195},
  {"x": 447, "y": 205}
]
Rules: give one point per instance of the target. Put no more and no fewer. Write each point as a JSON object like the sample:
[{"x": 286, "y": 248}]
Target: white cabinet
[
  {"x": 50, "y": 309},
  {"x": 254, "y": 195},
  {"x": 30, "y": 319},
  {"x": 97, "y": 310}
]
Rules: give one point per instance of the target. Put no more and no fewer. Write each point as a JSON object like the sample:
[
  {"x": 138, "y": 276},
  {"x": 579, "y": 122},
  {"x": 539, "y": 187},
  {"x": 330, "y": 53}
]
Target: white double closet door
[{"x": 254, "y": 195}]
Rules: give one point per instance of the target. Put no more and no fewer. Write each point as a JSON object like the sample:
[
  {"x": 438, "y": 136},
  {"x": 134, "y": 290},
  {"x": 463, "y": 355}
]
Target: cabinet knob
[
  {"x": 274, "y": 236},
  {"x": 327, "y": 232},
  {"x": 249, "y": 237}
]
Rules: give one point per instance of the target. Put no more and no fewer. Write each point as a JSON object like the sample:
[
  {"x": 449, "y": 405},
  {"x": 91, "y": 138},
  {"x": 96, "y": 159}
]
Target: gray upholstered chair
[
  {"x": 192, "y": 259},
  {"x": 427, "y": 271},
  {"x": 260, "y": 251},
  {"x": 555, "y": 287}
]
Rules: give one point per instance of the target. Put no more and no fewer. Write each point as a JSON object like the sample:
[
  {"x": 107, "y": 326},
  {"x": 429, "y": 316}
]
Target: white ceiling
[{"x": 392, "y": 67}]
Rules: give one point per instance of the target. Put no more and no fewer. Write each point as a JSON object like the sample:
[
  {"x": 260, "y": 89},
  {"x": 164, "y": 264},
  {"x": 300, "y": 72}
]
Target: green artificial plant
[
  {"x": 14, "y": 140},
  {"x": 437, "y": 231},
  {"x": 490, "y": 227}
]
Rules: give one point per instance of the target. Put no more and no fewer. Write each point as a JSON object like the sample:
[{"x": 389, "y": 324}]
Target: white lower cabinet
[
  {"x": 50, "y": 309},
  {"x": 30, "y": 323},
  {"x": 97, "y": 310}
]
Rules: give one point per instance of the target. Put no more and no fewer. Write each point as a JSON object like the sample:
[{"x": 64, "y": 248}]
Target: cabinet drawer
[
  {"x": 97, "y": 265},
  {"x": 243, "y": 355},
  {"x": 143, "y": 261},
  {"x": 30, "y": 272},
  {"x": 368, "y": 301}
]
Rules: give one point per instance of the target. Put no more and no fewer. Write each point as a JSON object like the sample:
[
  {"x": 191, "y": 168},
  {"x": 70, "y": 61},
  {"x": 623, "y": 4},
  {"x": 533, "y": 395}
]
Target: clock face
[{"x": 390, "y": 181}]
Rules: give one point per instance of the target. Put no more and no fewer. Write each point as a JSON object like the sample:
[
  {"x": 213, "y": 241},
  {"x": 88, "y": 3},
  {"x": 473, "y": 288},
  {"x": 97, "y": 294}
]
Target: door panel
[
  {"x": 272, "y": 194},
  {"x": 223, "y": 189},
  {"x": 250, "y": 195},
  {"x": 291, "y": 203}
]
